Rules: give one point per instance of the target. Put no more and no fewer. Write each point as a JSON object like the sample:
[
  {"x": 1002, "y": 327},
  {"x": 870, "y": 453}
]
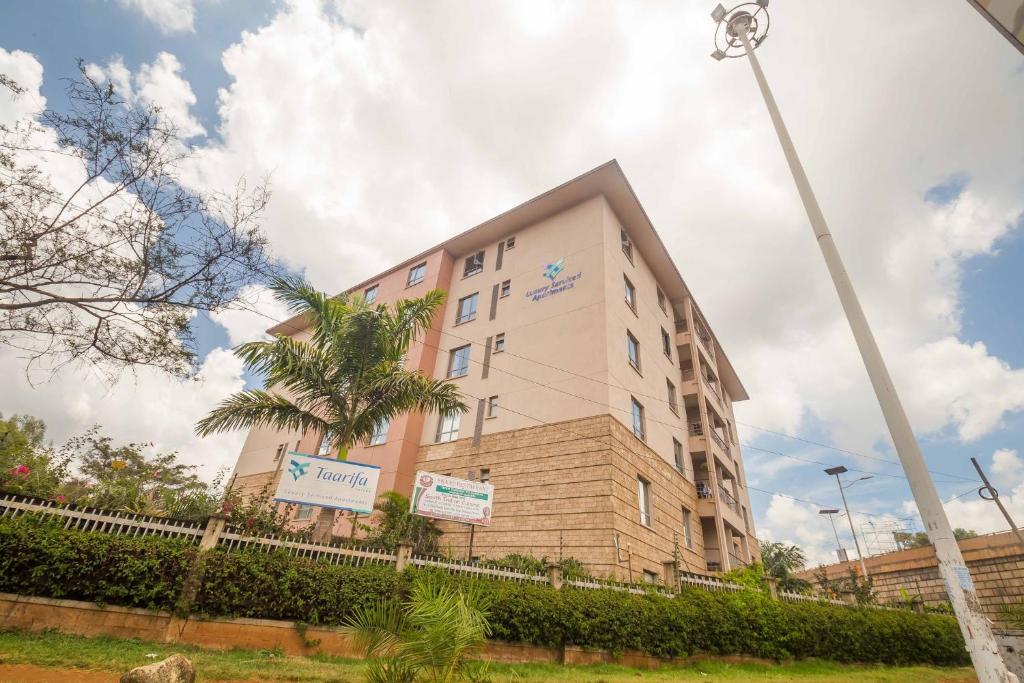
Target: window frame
[
  {"x": 510, "y": 243},
  {"x": 492, "y": 407},
  {"x": 474, "y": 264},
  {"x": 666, "y": 343},
  {"x": 380, "y": 437},
  {"x": 452, "y": 433},
  {"x": 643, "y": 501},
  {"x": 485, "y": 475},
  {"x": 633, "y": 344},
  {"x": 629, "y": 293},
  {"x": 367, "y": 292},
  {"x": 637, "y": 412},
  {"x": 327, "y": 437},
  {"x": 308, "y": 509},
  {"x": 505, "y": 289},
  {"x": 463, "y": 318},
  {"x": 422, "y": 269},
  {"x": 679, "y": 456},
  {"x": 661, "y": 300},
  {"x": 687, "y": 527},
  {"x": 627, "y": 244},
  {"x": 499, "y": 343},
  {"x": 452, "y": 355},
  {"x": 673, "y": 396}
]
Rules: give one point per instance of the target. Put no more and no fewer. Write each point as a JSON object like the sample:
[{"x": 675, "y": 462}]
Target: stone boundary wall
[
  {"x": 996, "y": 562},
  {"x": 26, "y": 613}
]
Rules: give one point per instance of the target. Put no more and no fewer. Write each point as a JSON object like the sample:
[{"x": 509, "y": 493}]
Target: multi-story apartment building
[{"x": 601, "y": 402}]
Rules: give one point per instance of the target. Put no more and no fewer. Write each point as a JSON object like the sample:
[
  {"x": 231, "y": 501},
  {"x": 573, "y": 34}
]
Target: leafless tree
[{"x": 106, "y": 254}]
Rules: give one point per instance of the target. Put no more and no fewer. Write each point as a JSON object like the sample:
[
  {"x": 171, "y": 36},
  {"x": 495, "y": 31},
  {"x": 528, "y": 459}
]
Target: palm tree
[
  {"x": 342, "y": 382},
  {"x": 779, "y": 561},
  {"x": 426, "y": 638}
]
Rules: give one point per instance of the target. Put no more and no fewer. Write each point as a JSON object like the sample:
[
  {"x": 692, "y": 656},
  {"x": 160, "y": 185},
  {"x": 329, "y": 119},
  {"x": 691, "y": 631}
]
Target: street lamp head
[
  {"x": 829, "y": 511},
  {"x": 747, "y": 22},
  {"x": 831, "y": 471}
]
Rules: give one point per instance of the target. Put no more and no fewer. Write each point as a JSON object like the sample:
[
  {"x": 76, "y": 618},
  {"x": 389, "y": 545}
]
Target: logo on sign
[
  {"x": 556, "y": 286},
  {"x": 298, "y": 469}
]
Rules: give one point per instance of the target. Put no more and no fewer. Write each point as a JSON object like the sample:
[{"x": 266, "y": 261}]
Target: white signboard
[
  {"x": 458, "y": 500},
  {"x": 328, "y": 483}
]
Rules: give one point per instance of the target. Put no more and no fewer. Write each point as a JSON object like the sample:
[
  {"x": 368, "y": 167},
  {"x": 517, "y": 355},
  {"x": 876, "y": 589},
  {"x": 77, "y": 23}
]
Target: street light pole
[
  {"x": 836, "y": 471},
  {"x": 840, "y": 553},
  {"x": 736, "y": 29}
]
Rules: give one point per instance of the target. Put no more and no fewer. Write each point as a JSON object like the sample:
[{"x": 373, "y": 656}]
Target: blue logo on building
[
  {"x": 298, "y": 469},
  {"x": 552, "y": 270}
]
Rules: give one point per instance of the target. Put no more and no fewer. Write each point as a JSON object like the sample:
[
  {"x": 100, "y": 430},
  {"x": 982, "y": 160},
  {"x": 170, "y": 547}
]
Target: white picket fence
[{"x": 231, "y": 539}]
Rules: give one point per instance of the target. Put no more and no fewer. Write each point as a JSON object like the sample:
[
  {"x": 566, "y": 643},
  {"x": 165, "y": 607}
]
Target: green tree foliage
[
  {"x": 346, "y": 379},
  {"x": 919, "y": 539},
  {"x": 393, "y": 523},
  {"x": 780, "y": 561},
  {"x": 28, "y": 463},
  {"x": 427, "y": 637},
  {"x": 852, "y": 582}
]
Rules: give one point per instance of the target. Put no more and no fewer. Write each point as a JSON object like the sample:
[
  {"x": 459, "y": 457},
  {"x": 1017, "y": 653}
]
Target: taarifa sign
[
  {"x": 557, "y": 285},
  {"x": 457, "y": 500},
  {"x": 328, "y": 483}
]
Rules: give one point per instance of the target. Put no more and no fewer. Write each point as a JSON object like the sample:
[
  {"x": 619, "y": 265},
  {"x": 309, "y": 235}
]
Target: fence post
[
  {"x": 403, "y": 552},
  {"x": 555, "y": 575},
  {"x": 773, "y": 587},
  {"x": 194, "y": 578},
  {"x": 917, "y": 604},
  {"x": 671, "y": 575},
  {"x": 849, "y": 597}
]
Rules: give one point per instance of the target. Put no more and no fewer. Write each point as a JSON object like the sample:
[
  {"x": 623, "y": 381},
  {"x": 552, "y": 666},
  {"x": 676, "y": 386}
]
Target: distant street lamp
[
  {"x": 840, "y": 551},
  {"x": 836, "y": 471},
  {"x": 738, "y": 31}
]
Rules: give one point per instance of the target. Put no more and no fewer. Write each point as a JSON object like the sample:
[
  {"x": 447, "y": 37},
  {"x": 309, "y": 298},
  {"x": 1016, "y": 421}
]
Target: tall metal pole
[
  {"x": 849, "y": 518},
  {"x": 973, "y": 624},
  {"x": 993, "y": 495},
  {"x": 839, "y": 546}
]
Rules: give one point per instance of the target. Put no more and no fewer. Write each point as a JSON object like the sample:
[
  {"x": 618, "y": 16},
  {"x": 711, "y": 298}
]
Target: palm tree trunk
[{"x": 324, "y": 529}]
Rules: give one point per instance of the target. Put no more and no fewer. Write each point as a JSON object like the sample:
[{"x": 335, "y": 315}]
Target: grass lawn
[{"x": 117, "y": 656}]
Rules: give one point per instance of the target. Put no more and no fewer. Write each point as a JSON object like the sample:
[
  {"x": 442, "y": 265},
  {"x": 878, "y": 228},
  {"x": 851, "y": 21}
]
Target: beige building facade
[{"x": 600, "y": 400}]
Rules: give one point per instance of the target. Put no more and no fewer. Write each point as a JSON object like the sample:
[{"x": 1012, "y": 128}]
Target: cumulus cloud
[
  {"x": 1006, "y": 473},
  {"x": 159, "y": 83},
  {"x": 250, "y": 324},
  {"x": 170, "y": 16}
]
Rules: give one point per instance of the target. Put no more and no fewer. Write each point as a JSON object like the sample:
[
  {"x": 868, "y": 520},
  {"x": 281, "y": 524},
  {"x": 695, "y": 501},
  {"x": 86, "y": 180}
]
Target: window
[
  {"x": 506, "y": 288},
  {"x": 492, "y": 406},
  {"x": 677, "y": 451},
  {"x": 661, "y": 300},
  {"x": 380, "y": 433},
  {"x": 370, "y": 294},
  {"x": 650, "y": 577},
  {"x": 304, "y": 512},
  {"x": 458, "y": 362},
  {"x": 280, "y": 451},
  {"x": 639, "y": 423},
  {"x": 325, "y": 444},
  {"x": 466, "y": 310},
  {"x": 630, "y": 293},
  {"x": 416, "y": 274},
  {"x": 499, "y": 343},
  {"x": 627, "y": 245},
  {"x": 673, "y": 402},
  {"x": 633, "y": 349},
  {"x": 474, "y": 264},
  {"x": 687, "y": 531},
  {"x": 666, "y": 343},
  {"x": 448, "y": 428},
  {"x": 643, "y": 490},
  {"x": 510, "y": 243},
  {"x": 485, "y": 476}
]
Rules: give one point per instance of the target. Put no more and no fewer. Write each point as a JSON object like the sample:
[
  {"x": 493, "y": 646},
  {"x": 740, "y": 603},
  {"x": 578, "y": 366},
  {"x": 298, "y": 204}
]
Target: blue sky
[{"x": 464, "y": 112}]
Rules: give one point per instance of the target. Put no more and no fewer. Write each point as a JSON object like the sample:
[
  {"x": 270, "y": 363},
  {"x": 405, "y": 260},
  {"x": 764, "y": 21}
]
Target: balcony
[
  {"x": 720, "y": 441},
  {"x": 726, "y": 496},
  {"x": 704, "y": 490}
]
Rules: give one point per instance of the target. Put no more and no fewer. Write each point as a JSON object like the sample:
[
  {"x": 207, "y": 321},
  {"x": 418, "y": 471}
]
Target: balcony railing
[
  {"x": 696, "y": 429},
  {"x": 727, "y": 496},
  {"x": 704, "y": 491},
  {"x": 688, "y": 374},
  {"x": 713, "y": 386},
  {"x": 736, "y": 561},
  {"x": 719, "y": 440}
]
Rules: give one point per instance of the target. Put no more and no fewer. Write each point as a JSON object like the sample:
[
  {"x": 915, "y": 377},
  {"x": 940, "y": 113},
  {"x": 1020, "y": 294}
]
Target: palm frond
[
  {"x": 377, "y": 628},
  {"x": 254, "y": 408}
]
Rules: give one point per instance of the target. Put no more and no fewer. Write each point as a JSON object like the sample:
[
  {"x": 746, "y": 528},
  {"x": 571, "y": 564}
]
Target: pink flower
[
  {"x": 22, "y": 470},
  {"x": 60, "y": 498}
]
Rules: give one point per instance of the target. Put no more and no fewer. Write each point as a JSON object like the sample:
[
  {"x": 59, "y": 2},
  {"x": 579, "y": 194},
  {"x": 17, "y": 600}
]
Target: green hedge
[{"x": 38, "y": 559}]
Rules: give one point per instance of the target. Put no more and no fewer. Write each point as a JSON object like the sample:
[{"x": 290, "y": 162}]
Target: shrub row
[{"x": 40, "y": 559}]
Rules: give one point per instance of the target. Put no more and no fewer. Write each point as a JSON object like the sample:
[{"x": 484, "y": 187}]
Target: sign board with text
[
  {"x": 328, "y": 483},
  {"x": 456, "y": 500}
]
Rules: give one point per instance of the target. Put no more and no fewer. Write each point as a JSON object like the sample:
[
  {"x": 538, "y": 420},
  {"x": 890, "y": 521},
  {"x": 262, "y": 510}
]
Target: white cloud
[
  {"x": 170, "y": 16},
  {"x": 1008, "y": 466},
  {"x": 160, "y": 84},
  {"x": 250, "y": 325}
]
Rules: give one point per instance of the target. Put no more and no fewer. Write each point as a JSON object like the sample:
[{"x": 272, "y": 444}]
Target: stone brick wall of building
[
  {"x": 567, "y": 489},
  {"x": 996, "y": 562}
]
